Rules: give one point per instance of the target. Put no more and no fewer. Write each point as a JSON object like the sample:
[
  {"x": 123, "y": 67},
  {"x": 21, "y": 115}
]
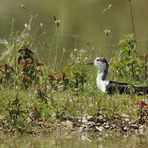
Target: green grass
[
  {"x": 30, "y": 93},
  {"x": 19, "y": 107}
]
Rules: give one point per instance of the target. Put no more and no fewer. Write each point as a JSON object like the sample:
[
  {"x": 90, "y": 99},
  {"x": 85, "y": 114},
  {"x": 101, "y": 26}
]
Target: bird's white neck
[
  {"x": 102, "y": 74},
  {"x": 101, "y": 82}
]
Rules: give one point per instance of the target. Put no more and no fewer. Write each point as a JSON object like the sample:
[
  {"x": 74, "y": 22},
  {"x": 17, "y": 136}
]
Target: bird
[{"x": 112, "y": 87}]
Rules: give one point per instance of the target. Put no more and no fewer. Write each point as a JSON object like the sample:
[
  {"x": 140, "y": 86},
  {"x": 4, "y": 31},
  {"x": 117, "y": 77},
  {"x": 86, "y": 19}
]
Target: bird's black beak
[{"x": 90, "y": 63}]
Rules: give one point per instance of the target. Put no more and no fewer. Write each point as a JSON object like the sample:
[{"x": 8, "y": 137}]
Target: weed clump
[{"x": 127, "y": 65}]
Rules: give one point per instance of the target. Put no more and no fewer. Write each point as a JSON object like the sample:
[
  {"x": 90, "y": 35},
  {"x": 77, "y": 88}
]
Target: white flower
[
  {"x": 107, "y": 8},
  {"x": 86, "y": 58},
  {"x": 82, "y": 50},
  {"x": 78, "y": 59},
  {"x": 106, "y": 31},
  {"x": 75, "y": 49},
  {"x": 27, "y": 26},
  {"x": 63, "y": 49},
  {"x": 71, "y": 55},
  {"x": 22, "y": 6},
  {"x": 41, "y": 25},
  {"x": 3, "y": 42},
  {"x": 57, "y": 21}
]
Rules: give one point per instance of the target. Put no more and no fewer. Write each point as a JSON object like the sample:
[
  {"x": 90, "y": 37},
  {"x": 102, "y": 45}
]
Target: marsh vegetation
[
  {"x": 34, "y": 94},
  {"x": 57, "y": 93}
]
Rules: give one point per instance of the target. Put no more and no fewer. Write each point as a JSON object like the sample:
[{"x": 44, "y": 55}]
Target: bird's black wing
[
  {"x": 141, "y": 90},
  {"x": 125, "y": 88},
  {"x": 121, "y": 88}
]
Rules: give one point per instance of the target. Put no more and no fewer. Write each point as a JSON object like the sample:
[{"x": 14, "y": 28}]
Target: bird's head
[{"x": 101, "y": 64}]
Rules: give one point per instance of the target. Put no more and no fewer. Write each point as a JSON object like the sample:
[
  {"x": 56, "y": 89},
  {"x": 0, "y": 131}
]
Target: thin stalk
[
  {"x": 61, "y": 60},
  {"x": 56, "y": 52},
  {"x": 59, "y": 64},
  {"x": 12, "y": 46},
  {"x": 146, "y": 67},
  {"x": 133, "y": 73},
  {"x": 132, "y": 18},
  {"x": 49, "y": 45}
]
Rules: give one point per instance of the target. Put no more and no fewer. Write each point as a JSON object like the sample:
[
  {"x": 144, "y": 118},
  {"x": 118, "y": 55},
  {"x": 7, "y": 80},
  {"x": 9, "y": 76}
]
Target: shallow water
[{"x": 75, "y": 140}]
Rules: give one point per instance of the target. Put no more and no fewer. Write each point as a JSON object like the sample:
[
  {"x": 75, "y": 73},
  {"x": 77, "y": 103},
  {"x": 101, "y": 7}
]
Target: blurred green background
[{"x": 82, "y": 23}]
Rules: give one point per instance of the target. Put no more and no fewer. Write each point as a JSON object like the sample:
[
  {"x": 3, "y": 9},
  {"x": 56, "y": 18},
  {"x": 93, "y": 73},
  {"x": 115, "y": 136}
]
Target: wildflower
[
  {"x": 56, "y": 21},
  {"x": 105, "y": 9},
  {"x": 41, "y": 25},
  {"x": 75, "y": 49},
  {"x": 78, "y": 59},
  {"x": 23, "y": 6},
  {"x": 27, "y": 26},
  {"x": 109, "y": 6},
  {"x": 63, "y": 49},
  {"x": 82, "y": 50},
  {"x": 69, "y": 64},
  {"x": 86, "y": 58},
  {"x": 71, "y": 55},
  {"x": 106, "y": 31},
  {"x": 3, "y": 42}
]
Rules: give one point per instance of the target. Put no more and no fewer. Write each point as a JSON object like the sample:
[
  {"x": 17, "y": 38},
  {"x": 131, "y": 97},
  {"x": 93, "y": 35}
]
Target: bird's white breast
[{"x": 101, "y": 84}]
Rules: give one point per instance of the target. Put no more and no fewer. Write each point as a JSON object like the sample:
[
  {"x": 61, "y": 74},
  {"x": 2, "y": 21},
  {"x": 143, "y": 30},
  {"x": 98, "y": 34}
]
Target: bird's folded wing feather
[{"x": 125, "y": 88}]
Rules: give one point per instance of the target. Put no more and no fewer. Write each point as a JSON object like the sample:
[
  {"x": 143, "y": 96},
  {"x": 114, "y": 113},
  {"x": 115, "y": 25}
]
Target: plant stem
[
  {"x": 132, "y": 18},
  {"x": 145, "y": 69},
  {"x": 12, "y": 46}
]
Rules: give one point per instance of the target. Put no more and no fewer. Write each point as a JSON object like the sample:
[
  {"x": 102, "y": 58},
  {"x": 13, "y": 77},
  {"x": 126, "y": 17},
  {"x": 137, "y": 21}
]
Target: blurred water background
[{"x": 95, "y": 24}]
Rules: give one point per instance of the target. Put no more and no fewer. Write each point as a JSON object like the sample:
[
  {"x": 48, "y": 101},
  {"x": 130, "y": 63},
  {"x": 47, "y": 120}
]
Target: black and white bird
[{"x": 111, "y": 87}]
